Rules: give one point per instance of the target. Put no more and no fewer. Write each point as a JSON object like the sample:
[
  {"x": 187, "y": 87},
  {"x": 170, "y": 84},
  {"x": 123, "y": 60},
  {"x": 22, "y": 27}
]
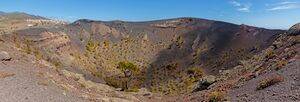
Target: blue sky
[{"x": 263, "y": 13}]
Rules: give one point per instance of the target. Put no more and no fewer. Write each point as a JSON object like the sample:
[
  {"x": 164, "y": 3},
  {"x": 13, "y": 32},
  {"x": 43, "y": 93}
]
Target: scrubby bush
[
  {"x": 92, "y": 46},
  {"x": 171, "y": 79},
  {"x": 17, "y": 44},
  {"x": 38, "y": 55},
  {"x": 132, "y": 89},
  {"x": 195, "y": 72},
  {"x": 117, "y": 82},
  {"x": 295, "y": 40},
  {"x": 269, "y": 82},
  {"x": 216, "y": 96},
  {"x": 270, "y": 54},
  {"x": 106, "y": 43},
  {"x": 171, "y": 66},
  {"x": 128, "y": 66},
  {"x": 28, "y": 50},
  {"x": 127, "y": 82},
  {"x": 280, "y": 64}
]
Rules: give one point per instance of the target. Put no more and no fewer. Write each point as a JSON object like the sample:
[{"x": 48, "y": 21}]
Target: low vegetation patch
[
  {"x": 280, "y": 64},
  {"x": 92, "y": 46},
  {"x": 6, "y": 74},
  {"x": 171, "y": 66},
  {"x": 195, "y": 73},
  {"x": 269, "y": 82},
  {"x": 37, "y": 53},
  {"x": 132, "y": 79},
  {"x": 216, "y": 96},
  {"x": 270, "y": 54},
  {"x": 129, "y": 67},
  {"x": 172, "y": 79},
  {"x": 117, "y": 82},
  {"x": 295, "y": 40}
]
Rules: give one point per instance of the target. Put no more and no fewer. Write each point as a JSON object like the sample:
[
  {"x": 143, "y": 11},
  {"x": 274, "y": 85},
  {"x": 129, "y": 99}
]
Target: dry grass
[
  {"x": 280, "y": 64},
  {"x": 270, "y": 54},
  {"x": 216, "y": 96},
  {"x": 43, "y": 82},
  {"x": 195, "y": 73},
  {"x": 92, "y": 46},
  {"x": 6, "y": 74},
  {"x": 269, "y": 82},
  {"x": 117, "y": 82},
  {"x": 37, "y": 53}
]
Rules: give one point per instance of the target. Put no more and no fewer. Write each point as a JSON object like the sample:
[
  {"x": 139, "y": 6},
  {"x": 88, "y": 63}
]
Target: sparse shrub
[
  {"x": 17, "y": 44},
  {"x": 28, "y": 42},
  {"x": 269, "y": 82},
  {"x": 117, "y": 82},
  {"x": 81, "y": 35},
  {"x": 295, "y": 40},
  {"x": 37, "y": 53},
  {"x": 280, "y": 64},
  {"x": 92, "y": 46},
  {"x": 129, "y": 69},
  {"x": 76, "y": 55},
  {"x": 95, "y": 72},
  {"x": 195, "y": 72},
  {"x": 132, "y": 89},
  {"x": 216, "y": 96},
  {"x": 121, "y": 82},
  {"x": 171, "y": 79},
  {"x": 171, "y": 66},
  {"x": 270, "y": 54},
  {"x": 28, "y": 50},
  {"x": 106, "y": 43},
  {"x": 58, "y": 65},
  {"x": 128, "y": 66}
]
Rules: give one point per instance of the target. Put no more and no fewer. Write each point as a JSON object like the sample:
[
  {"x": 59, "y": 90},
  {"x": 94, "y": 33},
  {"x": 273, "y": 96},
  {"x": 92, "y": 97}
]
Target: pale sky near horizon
[{"x": 275, "y": 14}]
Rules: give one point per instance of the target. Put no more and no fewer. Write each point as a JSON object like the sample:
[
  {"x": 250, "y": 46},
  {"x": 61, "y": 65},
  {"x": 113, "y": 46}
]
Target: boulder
[
  {"x": 4, "y": 56},
  {"x": 294, "y": 30},
  {"x": 205, "y": 82}
]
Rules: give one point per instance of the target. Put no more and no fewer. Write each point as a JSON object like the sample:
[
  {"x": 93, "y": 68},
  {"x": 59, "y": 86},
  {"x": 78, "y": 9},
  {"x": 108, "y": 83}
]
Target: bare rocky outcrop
[
  {"x": 205, "y": 82},
  {"x": 294, "y": 30},
  {"x": 4, "y": 56}
]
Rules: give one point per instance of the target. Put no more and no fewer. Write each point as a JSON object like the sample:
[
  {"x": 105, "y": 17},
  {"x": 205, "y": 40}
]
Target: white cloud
[
  {"x": 286, "y": 3},
  {"x": 235, "y": 3},
  {"x": 284, "y": 6},
  {"x": 245, "y": 8},
  {"x": 240, "y": 6}
]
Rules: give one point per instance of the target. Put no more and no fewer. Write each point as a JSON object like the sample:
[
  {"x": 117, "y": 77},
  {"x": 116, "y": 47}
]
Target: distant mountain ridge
[{"x": 19, "y": 15}]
